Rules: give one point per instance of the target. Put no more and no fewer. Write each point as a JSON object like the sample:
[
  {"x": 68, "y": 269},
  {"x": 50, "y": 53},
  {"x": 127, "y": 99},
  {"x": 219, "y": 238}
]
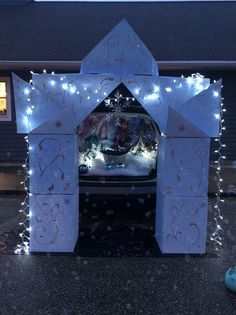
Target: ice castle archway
[{"x": 187, "y": 111}]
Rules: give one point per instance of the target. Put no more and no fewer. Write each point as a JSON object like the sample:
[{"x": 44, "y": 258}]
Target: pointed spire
[{"x": 120, "y": 52}]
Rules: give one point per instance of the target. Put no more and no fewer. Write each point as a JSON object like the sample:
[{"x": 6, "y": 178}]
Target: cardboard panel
[
  {"x": 53, "y": 164},
  {"x": 22, "y": 92},
  {"x": 76, "y": 92},
  {"x": 33, "y": 107},
  {"x": 63, "y": 123},
  {"x": 178, "y": 126},
  {"x": 181, "y": 224},
  {"x": 121, "y": 51},
  {"x": 183, "y": 166},
  {"x": 203, "y": 110},
  {"x": 156, "y": 94},
  {"x": 53, "y": 223}
]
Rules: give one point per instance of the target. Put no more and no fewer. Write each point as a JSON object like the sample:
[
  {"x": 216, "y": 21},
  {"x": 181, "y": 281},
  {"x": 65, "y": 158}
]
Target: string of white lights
[
  {"x": 23, "y": 247},
  {"x": 119, "y": 96},
  {"x": 197, "y": 80},
  {"x": 217, "y": 235}
]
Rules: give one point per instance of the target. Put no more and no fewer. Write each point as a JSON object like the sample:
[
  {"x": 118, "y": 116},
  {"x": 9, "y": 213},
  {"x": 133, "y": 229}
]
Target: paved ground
[{"x": 117, "y": 271}]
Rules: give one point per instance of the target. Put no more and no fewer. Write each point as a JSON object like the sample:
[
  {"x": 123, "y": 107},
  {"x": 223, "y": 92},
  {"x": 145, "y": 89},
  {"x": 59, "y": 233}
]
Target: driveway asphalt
[{"x": 117, "y": 270}]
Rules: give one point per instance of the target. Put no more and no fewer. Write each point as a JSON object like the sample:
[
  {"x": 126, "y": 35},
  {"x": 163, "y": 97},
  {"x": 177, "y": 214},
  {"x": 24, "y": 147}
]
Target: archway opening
[{"x": 118, "y": 150}]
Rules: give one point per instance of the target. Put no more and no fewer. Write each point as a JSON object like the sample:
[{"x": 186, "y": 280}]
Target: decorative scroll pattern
[
  {"x": 53, "y": 163},
  {"x": 185, "y": 233},
  {"x": 184, "y": 222},
  {"x": 183, "y": 166},
  {"x": 52, "y": 222},
  {"x": 47, "y": 223}
]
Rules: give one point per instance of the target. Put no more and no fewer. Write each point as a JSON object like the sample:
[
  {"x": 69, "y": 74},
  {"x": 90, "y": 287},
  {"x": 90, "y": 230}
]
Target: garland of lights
[
  {"x": 216, "y": 236},
  {"x": 23, "y": 247}
]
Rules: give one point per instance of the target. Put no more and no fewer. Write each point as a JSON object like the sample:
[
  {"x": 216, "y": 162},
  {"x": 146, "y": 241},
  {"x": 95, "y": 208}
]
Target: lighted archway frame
[{"x": 187, "y": 111}]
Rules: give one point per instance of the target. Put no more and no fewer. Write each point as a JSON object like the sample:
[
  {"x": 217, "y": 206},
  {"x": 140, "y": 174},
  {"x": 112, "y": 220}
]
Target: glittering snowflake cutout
[{"x": 117, "y": 105}]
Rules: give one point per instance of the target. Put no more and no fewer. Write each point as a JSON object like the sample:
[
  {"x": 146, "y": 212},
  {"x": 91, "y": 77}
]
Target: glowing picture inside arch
[
  {"x": 118, "y": 139},
  {"x": 186, "y": 110}
]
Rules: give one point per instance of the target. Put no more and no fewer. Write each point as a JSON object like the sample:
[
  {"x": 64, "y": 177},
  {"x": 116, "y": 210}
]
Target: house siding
[{"x": 68, "y": 31}]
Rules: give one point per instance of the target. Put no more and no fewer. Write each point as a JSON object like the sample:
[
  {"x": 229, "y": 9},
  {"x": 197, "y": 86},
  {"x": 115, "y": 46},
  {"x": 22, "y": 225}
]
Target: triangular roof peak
[{"x": 120, "y": 52}]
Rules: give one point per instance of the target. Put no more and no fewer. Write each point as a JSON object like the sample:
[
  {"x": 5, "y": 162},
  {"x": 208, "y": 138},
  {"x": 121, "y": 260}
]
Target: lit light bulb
[
  {"x": 52, "y": 82},
  {"x": 29, "y": 111},
  {"x": 65, "y": 86},
  {"x": 27, "y": 91},
  {"x": 72, "y": 89},
  {"x": 156, "y": 89}
]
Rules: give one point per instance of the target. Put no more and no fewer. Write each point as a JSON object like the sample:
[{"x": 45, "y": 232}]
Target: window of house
[{"x": 5, "y": 99}]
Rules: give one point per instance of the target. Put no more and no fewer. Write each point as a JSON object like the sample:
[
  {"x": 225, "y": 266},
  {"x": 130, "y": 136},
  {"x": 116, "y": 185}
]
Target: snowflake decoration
[
  {"x": 58, "y": 124},
  {"x": 117, "y": 105}
]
